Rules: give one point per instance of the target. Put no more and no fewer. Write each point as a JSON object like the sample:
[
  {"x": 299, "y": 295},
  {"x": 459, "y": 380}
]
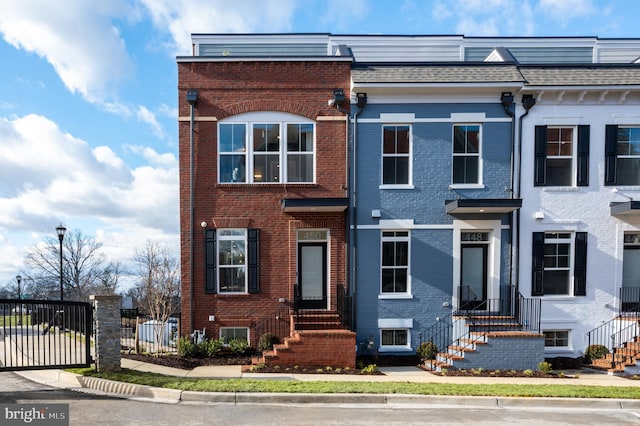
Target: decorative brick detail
[{"x": 107, "y": 332}]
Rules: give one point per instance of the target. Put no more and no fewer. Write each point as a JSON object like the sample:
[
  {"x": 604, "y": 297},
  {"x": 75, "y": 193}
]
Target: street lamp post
[
  {"x": 61, "y": 230},
  {"x": 19, "y": 279}
]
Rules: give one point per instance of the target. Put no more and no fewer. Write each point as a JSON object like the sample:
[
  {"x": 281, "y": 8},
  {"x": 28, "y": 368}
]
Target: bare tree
[
  {"x": 83, "y": 267},
  {"x": 159, "y": 284},
  {"x": 108, "y": 278}
]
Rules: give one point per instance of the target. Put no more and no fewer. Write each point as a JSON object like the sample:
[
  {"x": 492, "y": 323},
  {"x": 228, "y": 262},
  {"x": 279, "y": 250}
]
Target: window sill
[
  {"x": 395, "y": 296},
  {"x": 265, "y": 185},
  {"x": 396, "y": 187},
  {"x": 559, "y": 298},
  {"x": 394, "y": 349},
  {"x": 466, "y": 186},
  {"x": 229, "y": 295},
  {"x": 561, "y": 188}
]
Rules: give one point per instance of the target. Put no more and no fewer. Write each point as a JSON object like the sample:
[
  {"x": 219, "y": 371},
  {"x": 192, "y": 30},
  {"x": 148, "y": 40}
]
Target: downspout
[
  {"x": 528, "y": 101},
  {"x": 360, "y": 104},
  {"x": 507, "y": 103},
  {"x": 192, "y": 97}
]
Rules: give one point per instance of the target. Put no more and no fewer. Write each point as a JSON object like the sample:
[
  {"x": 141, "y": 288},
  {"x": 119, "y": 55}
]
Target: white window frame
[
  {"x": 249, "y": 120},
  {"x": 627, "y": 156},
  {"x": 409, "y": 156},
  {"x": 394, "y": 239},
  {"x": 479, "y": 183},
  {"x": 557, "y": 330},
  {"x": 573, "y": 157},
  {"x": 228, "y": 234},
  {"x": 395, "y": 348},
  {"x": 226, "y": 343},
  {"x": 571, "y": 241}
]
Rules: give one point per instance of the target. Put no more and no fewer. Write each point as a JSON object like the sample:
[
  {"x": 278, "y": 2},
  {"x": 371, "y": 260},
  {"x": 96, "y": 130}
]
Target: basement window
[
  {"x": 556, "y": 339},
  {"x": 234, "y": 333}
]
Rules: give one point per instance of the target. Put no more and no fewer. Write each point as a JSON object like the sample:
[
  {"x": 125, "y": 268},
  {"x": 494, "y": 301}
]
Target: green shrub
[
  {"x": 528, "y": 372},
  {"x": 187, "y": 348},
  {"x": 427, "y": 350},
  {"x": 239, "y": 346},
  {"x": 266, "y": 342},
  {"x": 545, "y": 367},
  {"x": 369, "y": 369},
  {"x": 212, "y": 347},
  {"x": 595, "y": 352}
]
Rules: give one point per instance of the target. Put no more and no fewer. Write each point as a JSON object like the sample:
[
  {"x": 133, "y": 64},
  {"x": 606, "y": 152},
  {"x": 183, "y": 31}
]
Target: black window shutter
[
  {"x": 210, "y": 261},
  {"x": 538, "y": 264},
  {"x": 610, "y": 139},
  {"x": 583, "y": 155},
  {"x": 253, "y": 260},
  {"x": 580, "y": 268},
  {"x": 540, "y": 166}
]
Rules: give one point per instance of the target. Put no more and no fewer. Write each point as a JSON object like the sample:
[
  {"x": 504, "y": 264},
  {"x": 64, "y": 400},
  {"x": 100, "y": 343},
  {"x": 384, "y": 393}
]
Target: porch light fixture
[{"x": 60, "y": 229}]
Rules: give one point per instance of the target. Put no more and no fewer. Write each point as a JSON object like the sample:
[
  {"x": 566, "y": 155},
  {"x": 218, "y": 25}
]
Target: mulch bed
[{"x": 186, "y": 363}]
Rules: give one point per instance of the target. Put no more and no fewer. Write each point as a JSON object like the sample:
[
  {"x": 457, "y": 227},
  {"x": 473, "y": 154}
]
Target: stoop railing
[
  {"x": 458, "y": 332},
  {"x": 615, "y": 334}
]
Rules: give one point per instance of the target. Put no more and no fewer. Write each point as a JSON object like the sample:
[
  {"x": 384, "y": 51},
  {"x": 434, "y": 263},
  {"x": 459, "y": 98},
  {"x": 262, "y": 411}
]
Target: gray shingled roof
[
  {"x": 581, "y": 76},
  {"x": 436, "y": 74}
]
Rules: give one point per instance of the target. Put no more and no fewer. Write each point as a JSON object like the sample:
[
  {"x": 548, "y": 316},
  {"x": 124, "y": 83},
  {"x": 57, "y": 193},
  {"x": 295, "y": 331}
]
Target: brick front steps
[
  {"x": 621, "y": 360},
  {"x": 320, "y": 343}
]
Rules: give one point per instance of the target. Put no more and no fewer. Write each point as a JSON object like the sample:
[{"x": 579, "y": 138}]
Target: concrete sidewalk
[
  {"x": 390, "y": 374},
  {"x": 62, "y": 379}
]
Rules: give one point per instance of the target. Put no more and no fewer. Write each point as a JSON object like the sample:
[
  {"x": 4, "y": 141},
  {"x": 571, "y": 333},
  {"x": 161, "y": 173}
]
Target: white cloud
[
  {"x": 78, "y": 39},
  {"x": 181, "y": 18},
  {"x": 47, "y": 176},
  {"x": 146, "y": 116},
  {"x": 565, "y": 10}
]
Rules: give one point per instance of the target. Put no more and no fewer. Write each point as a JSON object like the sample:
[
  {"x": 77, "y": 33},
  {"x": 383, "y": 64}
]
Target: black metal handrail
[
  {"x": 321, "y": 318},
  {"x": 278, "y": 323},
  {"x": 614, "y": 334},
  {"x": 629, "y": 299},
  {"x": 457, "y": 332}
]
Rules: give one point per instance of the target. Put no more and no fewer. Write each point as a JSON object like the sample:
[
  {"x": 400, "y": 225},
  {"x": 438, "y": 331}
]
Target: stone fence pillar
[{"x": 106, "y": 311}]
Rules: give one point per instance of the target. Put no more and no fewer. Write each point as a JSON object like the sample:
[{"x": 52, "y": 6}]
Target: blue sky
[{"x": 88, "y": 103}]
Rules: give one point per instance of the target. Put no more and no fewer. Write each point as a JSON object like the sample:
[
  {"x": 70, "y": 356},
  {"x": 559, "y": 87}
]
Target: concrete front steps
[
  {"x": 492, "y": 342},
  {"x": 625, "y": 359},
  {"x": 316, "y": 340}
]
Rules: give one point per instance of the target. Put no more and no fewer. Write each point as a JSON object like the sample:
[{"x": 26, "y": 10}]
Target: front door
[
  {"x": 473, "y": 277},
  {"x": 312, "y": 275},
  {"x": 630, "y": 292}
]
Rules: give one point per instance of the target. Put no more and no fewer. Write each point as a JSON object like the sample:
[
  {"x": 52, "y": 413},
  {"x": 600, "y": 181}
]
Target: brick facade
[{"x": 226, "y": 89}]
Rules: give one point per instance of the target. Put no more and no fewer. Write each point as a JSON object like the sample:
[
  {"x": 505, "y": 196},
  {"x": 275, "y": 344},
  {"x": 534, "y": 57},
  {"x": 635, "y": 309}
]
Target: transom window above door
[{"x": 266, "y": 148}]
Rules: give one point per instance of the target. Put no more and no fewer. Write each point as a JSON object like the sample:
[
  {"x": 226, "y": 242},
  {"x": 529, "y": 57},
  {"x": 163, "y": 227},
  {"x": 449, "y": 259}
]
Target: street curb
[{"x": 75, "y": 382}]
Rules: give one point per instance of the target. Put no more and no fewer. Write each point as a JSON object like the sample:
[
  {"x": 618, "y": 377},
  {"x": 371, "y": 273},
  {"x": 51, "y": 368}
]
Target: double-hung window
[
  {"x": 394, "y": 339},
  {"x": 466, "y": 154},
  {"x": 232, "y": 261},
  {"x": 396, "y": 155},
  {"x": 559, "y": 263},
  {"x": 395, "y": 263},
  {"x": 561, "y": 156},
  {"x": 622, "y": 155},
  {"x": 266, "y": 148}
]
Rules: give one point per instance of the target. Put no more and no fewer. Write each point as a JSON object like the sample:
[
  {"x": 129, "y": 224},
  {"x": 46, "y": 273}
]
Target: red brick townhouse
[{"x": 263, "y": 189}]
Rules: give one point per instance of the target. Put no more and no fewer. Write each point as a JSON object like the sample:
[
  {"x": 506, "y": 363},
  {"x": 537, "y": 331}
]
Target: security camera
[{"x": 331, "y": 102}]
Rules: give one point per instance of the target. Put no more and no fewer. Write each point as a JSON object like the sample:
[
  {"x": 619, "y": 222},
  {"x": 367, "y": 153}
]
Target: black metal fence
[
  {"x": 41, "y": 334},
  {"x": 615, "y": 334}
]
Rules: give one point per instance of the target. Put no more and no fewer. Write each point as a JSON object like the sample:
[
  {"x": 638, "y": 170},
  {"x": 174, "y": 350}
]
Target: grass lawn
[{"x": 293, "y": 386}]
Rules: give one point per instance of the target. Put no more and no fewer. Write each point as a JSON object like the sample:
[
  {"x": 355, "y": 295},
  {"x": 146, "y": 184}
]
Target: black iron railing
[
  {"x": 320, "y": 318},
  {"x": 629, "y": 299},
  {"x": 615, "y": 334},
  {"x": 39, "y": 334},
  {"x": 475, "y": 318},
  {"x": 278, "y": 324}
]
